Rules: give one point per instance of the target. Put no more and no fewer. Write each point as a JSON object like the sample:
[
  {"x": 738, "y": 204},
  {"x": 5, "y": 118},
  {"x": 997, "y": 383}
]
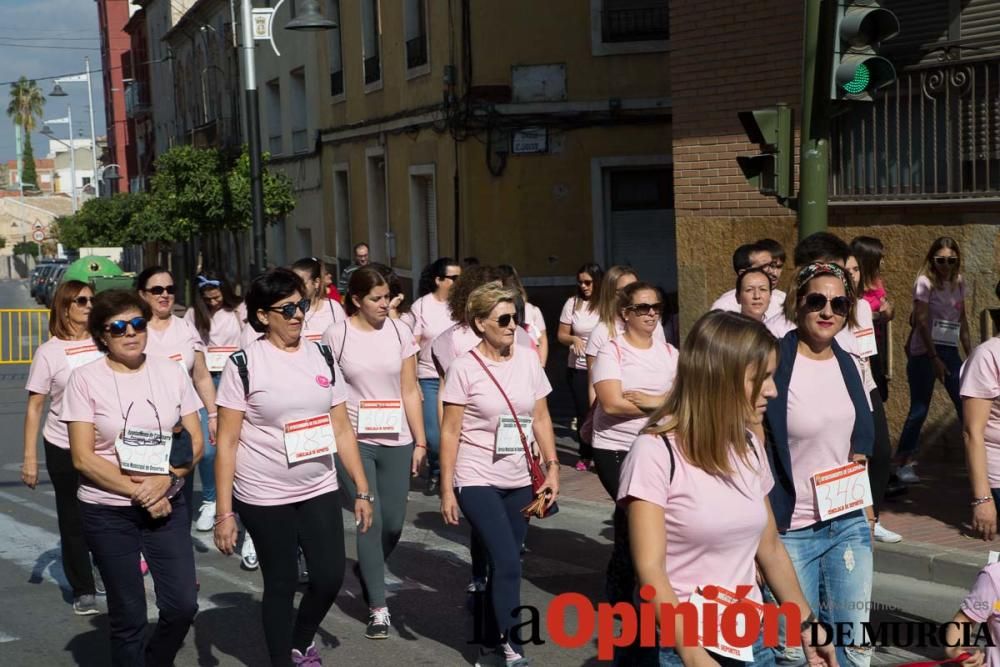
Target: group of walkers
[{"x": 725, "y": 459}]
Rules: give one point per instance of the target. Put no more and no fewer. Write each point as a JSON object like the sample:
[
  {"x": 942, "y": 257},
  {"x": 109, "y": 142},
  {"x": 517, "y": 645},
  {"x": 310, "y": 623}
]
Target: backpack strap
[
  {"x": 328, "y": 355},
  {"x": 670, "y": 451},
  {"x": 240, "y": 359},
  {"x": 343, "y": 342}
]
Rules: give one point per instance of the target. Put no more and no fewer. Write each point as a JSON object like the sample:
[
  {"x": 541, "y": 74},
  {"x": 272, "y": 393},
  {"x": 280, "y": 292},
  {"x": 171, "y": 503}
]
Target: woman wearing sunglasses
[
  {"x": 578, "y": 318},
  {"x": 175, "y": 339},
  {"x": 323, "y": 311},
  {"x": 939, "y": 325},
  {"x": 483, "y": 466},
  {"x": 69, "y": 347},
  {"x": 119, "y": 412},
  {"x": 820, "y": 423},
  {"x": 753, "y": 293},
  {"x": 379, "y": 360},
  {"x": 275, "y": 468},
  {"x": 428, "y": 317},
  {"x": 219, "y": 317}
]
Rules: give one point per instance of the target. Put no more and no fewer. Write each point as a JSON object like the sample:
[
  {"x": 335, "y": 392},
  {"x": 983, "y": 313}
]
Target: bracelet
[
  {"x": 553, "y": 462},
  {"x": 420, "y": 446},
  {"x": 365, "y": 496},
  {"x": 981, "y": 501},
  {"x": 213, "y": 415},
  {"x": 219, "y": 518}
]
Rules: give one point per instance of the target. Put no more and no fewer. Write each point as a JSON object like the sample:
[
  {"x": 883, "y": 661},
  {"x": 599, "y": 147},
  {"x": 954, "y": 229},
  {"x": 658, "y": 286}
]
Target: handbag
[{"x": 537, "y": 507}]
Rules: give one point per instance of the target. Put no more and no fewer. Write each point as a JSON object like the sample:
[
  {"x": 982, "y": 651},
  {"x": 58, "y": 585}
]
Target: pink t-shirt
[
  {"x": 650, "y": 371},
  {"x": 581, "y": 322},
  {"x": 981, "y": 379},
  {"x": 981, "y": 605},
  {"x": 320, "y": 319},
  {"x": 226, "y": 330},
  {"x": 53, "y": 362},
  {"x": 820, "y": 423},
  {"x": 599, "y": 336},
  {"x": 284, "y": 387},
  {"x": 427, "y": 319},
  {"x": 178, "y": 342},
  {"x": 100, "y": 396},
  {"x": 524, "y": 381},
  {"x": 848, "y": 339},
  {"x": 875, "y": 295},
  {"x": 459, "y": 339},
  {"x": 372, "y": 363},
  {"x": 946, "y": 303},
  {"x": 535, "y": 322},
  {"x": 775, "y": 308},
  {"x": 713, "y": 523}
]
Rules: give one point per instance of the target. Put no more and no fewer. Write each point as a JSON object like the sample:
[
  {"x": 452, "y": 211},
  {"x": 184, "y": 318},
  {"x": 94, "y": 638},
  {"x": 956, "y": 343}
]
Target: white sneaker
[
  {"x": 883, "y": 534},
  {"x": 906, "y": 474},
  {"x": 206, "y": 517},
  {"x": 248, "y": 556}
]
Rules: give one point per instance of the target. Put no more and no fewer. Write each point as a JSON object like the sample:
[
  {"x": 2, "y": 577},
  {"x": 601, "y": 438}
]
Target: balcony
[
  {"x": 373, "y": 69},
  {"x": 934, "y": 136},
  {"x": 337, "y": 83},
  {"x": 636, "y": 24},
  {"x": 137, "y": 99},
  {"x": 416, "y": 52}
]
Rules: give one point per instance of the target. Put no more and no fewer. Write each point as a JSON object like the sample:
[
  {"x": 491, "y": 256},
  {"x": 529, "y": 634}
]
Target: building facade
[
  {"x": 64, "y": 168},
  {"x": 112, "y": 16}
]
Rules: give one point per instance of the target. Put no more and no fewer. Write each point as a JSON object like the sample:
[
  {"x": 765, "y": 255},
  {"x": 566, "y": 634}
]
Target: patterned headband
[{"x": 810, "y": 271}]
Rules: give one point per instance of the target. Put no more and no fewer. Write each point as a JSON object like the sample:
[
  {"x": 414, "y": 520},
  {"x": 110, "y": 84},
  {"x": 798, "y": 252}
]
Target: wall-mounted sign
[{"x": 529, "y": 140}]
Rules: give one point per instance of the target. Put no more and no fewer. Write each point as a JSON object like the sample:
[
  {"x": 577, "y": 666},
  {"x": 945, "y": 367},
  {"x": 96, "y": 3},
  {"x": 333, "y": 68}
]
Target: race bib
[
  {"x": 945, "y": 332},
  {"x": 309, "y": 438},
  {"x": 179, "y": 358},
  {"x": 144, "y": 450},
  {"x": 724, "y": 599},
  {"x": 508, "y": 439},
  {"x": 215, "y": 357},
  {"x": 867, "y": 346},
  {"x": 82, "y": 354},
  {"x": 842, "y": 490},
  {"x": 380, "y": 417}
]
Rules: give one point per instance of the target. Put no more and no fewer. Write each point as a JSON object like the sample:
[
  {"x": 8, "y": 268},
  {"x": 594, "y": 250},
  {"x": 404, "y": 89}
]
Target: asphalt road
[{"x": 428, "y": 573}]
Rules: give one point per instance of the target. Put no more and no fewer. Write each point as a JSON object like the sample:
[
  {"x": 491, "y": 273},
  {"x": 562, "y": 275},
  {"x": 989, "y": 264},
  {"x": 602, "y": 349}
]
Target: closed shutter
[
  {"x": 430, "y": 207},
  {"x": 980, "y": 25},
  {"x": 922, "y": 24}
]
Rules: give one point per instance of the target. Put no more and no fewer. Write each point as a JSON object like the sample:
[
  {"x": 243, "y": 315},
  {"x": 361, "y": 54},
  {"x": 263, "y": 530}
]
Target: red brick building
[{"x": 116, "y": 69}]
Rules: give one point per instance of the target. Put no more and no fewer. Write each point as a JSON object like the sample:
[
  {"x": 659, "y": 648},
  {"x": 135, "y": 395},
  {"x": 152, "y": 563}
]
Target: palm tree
[{"x": 24, "y": 108}]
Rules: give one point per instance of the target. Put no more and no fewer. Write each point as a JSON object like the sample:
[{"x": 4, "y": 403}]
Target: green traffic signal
[
  {"x": 859, "y": 72},
  {"x": 858, "y": 84}
]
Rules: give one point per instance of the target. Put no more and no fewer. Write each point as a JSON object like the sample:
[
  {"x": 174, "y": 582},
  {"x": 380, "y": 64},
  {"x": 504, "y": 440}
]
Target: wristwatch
[
  {"x": 365, "y": 496},
  {"x": 173, "y": 477}
]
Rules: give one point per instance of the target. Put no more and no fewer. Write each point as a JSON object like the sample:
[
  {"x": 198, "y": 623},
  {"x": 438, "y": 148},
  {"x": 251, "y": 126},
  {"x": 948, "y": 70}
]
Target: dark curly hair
[
  {"x": 433, "y": 271},
  {"x": 107, "y": 306},
  {"x": 471, "y": 278},
  {"x": 269, "y": 288}
]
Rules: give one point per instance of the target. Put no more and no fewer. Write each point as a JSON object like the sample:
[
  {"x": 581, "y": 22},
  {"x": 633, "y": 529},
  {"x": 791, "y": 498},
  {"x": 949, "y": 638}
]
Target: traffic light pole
[
  {"x": 259, "y": 259},
  {"x": 814, "y": 141}
]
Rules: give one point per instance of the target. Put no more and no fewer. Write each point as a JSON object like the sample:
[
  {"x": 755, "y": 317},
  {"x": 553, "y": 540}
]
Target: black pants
[
  {"x": 881, "y": 458},
  {"x": 577, "y": 381},
  {"x": 116, "y": 536},
  {"x": 75, "y": 555},
  {"x": 608, "y": 464},
  {"x": 278, "y": 531},
  {"x": 181, "y": 456}
]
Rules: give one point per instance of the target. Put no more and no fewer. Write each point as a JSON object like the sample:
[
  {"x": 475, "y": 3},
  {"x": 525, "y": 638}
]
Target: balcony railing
[
  {"x": 636, "y": 24},
  {"x": 935, "y": 135},
  {"x": 416, "y": 52},
  {"x": 373, "y": 69},
  {"x": 337, "y": 83}
]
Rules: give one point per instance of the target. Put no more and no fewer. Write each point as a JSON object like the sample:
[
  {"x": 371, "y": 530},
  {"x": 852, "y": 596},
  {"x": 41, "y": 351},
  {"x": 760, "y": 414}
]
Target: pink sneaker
[
  {"x": 308, "y": 659},
  {"x": 143, "y": 567},
  {"x": 581, "y": 466}
]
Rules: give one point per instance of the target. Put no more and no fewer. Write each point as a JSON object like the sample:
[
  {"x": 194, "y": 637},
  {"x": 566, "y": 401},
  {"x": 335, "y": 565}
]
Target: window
[
  {"x": 300, "y": 121},
  {"x": 342, "y": 214},
  {"x": 274, "y": 138},
  {"x": 423, "y": 216},
  {"x": 629, "y": 26},
  {"x": 416, "y": 36},
  {"x": 370, "y": 44},
  {"x": 336, "y": 54}
]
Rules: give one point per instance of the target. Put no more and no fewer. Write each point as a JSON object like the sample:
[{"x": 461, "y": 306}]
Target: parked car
[
  {"x": 44, "y": 271},
  {"x": 33, "y": 280},
  {"x": 51, "y": 283}
]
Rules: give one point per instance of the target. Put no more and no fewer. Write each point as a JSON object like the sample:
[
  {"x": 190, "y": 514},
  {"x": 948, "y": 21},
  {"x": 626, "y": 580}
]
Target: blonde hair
[
  {"x": 941, "y": 243},
  {"x": 607, "y": 300},
  {"x": 484, "y": 299},
  {"x": 710, "y": 382}
]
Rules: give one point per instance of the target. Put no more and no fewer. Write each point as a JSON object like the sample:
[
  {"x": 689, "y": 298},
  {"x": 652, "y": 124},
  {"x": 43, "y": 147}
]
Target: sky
[{"x": 46, "y": 38}]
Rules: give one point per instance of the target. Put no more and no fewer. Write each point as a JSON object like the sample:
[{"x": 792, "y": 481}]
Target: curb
[{"x": 929, "y": 563}]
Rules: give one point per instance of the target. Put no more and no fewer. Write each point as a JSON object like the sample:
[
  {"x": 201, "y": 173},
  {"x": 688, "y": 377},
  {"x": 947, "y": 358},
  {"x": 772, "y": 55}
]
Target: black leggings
[
  {"x": 608, "y": 464},
  {"x": 578, "y": 388},
  {"x": 881, "y": 458},
  {"x": 278, "y": 531},
  {"x": 75, "y": 554}
]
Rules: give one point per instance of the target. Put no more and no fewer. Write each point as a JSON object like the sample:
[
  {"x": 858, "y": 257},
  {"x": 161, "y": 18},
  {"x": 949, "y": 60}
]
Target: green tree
[
  {"x": 279, "y": 199},
  {"x": 29, "y": 175},
  {"x": 187, "y": 195},
  {"x": 25, "y": 109},
  {"x": 104, "y": 221},
  {"x": 26, "y": 248}
]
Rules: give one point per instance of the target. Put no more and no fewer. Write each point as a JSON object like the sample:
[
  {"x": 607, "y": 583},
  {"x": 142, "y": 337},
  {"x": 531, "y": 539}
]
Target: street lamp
[
  {"x": 257, "y": 24},
  {"x": 57, "y": 91},
  {"x": 114, "y": 175},
  {"x": 47, "y": 131}
]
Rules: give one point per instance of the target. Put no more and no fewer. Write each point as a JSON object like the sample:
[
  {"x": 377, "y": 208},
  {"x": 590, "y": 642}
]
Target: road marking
[
  {"x": 32, "y": 549},
  {"x": 4, "y": 637},
  {"x": 246, "y": 584},
  {"x": 30, "y": 504}
]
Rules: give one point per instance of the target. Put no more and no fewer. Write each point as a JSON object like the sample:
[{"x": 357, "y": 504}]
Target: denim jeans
[
  {"x": 762, "y": 657},
  {"x": 920, "y": 375},
  {"x": 833, "y": 561},
  {"x": 206, "y": 466},
  {"x": 432, "y": 429}
]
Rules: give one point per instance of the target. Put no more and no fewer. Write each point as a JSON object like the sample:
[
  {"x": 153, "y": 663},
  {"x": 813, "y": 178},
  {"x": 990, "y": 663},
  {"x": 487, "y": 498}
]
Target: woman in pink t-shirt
[
  {"x": 69, "y": 346},
  {"x": 939, "y": 325},
  {"x": 981, "y": 605},
  {"x": 980, "y": 391},
  {"x": 484, "y": 468},
  {"x": 120, "y": 410},
  {"x": 578, "y": 318},
  {"x": 753, "y": 293},
  {"x": 695, "y": 487},
  {"x": 324, "y": 312},
  {"x": 379, "y": 358},
  {"x": 283, "y": 414}
]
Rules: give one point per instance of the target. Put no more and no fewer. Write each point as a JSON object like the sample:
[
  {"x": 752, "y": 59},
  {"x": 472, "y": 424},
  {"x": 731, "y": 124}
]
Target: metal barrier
[{"x": 22, "y": 330}]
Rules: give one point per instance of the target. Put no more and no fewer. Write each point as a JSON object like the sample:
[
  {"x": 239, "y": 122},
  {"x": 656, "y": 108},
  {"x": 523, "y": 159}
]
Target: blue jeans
[
  {"x": 920, "y": 375},
  {"x": 833, "y": 561},
  {"x": 762, "y": 657},
  {"x": 206, "y": 467},
  {"x": 432, "y": 429}
]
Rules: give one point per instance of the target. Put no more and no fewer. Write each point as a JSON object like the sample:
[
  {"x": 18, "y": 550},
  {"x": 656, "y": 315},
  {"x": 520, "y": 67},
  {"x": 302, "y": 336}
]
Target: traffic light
[
  {"x": 771, "y": 171},
  {"x": 858, "y": 71}
]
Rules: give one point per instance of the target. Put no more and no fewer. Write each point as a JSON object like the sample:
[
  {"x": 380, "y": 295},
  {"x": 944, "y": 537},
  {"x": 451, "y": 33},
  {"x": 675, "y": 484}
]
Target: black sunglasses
[
  {"x": 119, "y": 328},
  {"x": 82, "y": 301},
  {"x": 288, "y": 310},
  {"x": 584, "y": 283},
  {"x": 950, "y": 261},
  {"x": 504, "y": 320},
  {"x": 645, "y": 308},
  {"x": 454, "y": 277},
  {"x": 840, "y": 305},
  {"x": 160, "y": 289}
]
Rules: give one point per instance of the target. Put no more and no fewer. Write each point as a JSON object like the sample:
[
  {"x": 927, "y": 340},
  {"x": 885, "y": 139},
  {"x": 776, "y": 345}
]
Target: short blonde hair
[{"x": 484, "y": 299}]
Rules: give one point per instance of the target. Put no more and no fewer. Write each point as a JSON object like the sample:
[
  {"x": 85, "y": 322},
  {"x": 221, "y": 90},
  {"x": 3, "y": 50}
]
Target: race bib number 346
[{"x": 842, "y": 490}]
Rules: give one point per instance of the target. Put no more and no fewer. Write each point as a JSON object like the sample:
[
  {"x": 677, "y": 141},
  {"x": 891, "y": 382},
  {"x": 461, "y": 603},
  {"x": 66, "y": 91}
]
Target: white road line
[
  {"x": 248, "y": 584},
  {"x": 4, "y": 637},
  {"x": 30, "y": 504},
  {"x": 32, "y": 549}
]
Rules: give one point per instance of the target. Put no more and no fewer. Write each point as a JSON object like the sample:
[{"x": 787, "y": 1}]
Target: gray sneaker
[{"x": 85, "y": 605}]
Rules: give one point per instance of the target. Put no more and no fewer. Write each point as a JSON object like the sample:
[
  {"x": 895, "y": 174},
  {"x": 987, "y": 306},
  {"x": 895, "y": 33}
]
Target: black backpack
[{"x": 240, "y": 359}]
